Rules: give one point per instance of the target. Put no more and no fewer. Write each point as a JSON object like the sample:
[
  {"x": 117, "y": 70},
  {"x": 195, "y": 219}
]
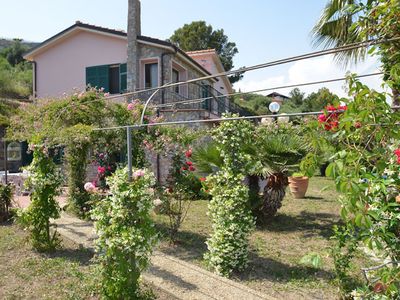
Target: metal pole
[
  {"x": 129, "y": 151},
  {"x": 5, "y": 162}
]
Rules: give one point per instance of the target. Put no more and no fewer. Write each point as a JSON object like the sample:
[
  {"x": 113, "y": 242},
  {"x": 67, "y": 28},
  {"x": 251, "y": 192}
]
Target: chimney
[{"x": 134, "y": 30}]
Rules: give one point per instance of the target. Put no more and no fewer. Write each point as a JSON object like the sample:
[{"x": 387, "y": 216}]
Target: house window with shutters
[{"x": 112, "y": 78}]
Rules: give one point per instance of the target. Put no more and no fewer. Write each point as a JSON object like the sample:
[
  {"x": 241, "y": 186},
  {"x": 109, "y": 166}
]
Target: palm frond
[
  {"x": 335, "y": 28},
  {"x": 207, "y": 158}
]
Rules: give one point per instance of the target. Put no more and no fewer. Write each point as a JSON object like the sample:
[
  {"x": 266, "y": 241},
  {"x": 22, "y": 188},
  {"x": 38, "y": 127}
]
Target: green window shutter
[
  {"x": 97, "y": 76},
  {"x": 122, "y": 78}
]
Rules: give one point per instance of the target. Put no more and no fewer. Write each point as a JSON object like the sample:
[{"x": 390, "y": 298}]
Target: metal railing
[{"x": 216, "y": 104}]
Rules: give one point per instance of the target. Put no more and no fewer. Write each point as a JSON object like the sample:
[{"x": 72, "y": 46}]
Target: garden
[{"x": 224, "y": 204}]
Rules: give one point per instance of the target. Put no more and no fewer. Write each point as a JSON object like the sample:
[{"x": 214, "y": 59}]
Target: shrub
[
  {"x": 126, "y": 233},
  {"x": 44, "y": 180},
  {"x": 231, "y": 217},
  {"x": 6, "y": 196}
]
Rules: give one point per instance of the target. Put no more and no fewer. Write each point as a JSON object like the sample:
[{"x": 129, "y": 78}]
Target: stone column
[{"x": 134, "y": 30}]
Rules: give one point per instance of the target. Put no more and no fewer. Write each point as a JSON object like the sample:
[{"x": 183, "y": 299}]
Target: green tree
[
  {"x": 200, "y": 36},
  {"x": 348, "y": 21},
  {"x": 296, "y": 96},
  {"x": 319, "y": 100},
  {"x": 14, "y": 53}
]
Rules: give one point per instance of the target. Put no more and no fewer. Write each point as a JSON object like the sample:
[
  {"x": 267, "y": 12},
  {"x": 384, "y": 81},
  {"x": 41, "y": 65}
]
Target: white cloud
[{"x": 317, "y": 69}]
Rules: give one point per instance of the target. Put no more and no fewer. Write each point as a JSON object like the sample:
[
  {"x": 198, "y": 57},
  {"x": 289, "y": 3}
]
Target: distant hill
[{"x": 4, "y": 43}]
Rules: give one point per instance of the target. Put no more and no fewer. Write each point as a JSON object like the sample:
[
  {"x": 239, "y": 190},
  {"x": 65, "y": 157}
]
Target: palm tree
[
  {"x": 279, "y": 150},
  {"x": 275, "y": 151},
  {"x": 336, "y": 28}
]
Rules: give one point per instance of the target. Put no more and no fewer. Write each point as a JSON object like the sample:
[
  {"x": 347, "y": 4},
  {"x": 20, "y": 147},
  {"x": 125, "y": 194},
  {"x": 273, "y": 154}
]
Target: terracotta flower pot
[{"x": 298, "y": 186}]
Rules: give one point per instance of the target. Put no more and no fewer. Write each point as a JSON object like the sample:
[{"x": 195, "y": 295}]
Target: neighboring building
[{"x": 278, "y": 97}]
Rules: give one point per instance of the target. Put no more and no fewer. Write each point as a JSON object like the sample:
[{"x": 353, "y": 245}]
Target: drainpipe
[{"x": 34, "y": 64}]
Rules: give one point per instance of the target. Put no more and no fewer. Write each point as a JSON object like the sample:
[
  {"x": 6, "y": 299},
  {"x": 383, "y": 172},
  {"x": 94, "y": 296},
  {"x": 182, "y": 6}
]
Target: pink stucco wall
[
  {"x": 62, "y": 67},
  {"x": 207, "y": 62}
]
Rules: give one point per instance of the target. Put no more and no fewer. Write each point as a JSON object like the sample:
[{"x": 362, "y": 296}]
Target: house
[
  {"x": 85, "y": 54},
  {"x": 276, "y": 97}
]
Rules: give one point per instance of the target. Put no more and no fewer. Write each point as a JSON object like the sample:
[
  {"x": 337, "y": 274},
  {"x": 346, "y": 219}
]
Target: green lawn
[
  {"x": 68, "y": 273},
  {"x": 25, "y": 274},
  {"x": 301, "y": 226}
]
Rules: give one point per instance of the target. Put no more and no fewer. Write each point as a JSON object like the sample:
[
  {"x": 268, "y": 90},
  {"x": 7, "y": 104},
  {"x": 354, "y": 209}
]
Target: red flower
[
  {"x": 330, "y": 108},
  {"x": 322, "y": 118},
  {"x": 342, "y": 107},
  {"x": 328, "y": 127},
  {"x": 397, "y": 152},
  {"x": 191, "y": 168},
  {"x": 188, "y": 153},
  {"x": 379, "y": 287},
  {"x": 189, "y": 163},
  {"x": 357, "y": 125},
  {"x": 101, "y": 170},
  {"x": 398, "y": 160},
  {"x": 184, "y": 168},
  {"x": 202, "y": 179}
]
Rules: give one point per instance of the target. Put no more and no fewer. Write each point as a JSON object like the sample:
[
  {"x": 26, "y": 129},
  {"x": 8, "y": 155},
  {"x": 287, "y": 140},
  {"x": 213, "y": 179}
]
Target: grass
[
  {"x": 68, "y": 273},
  {"x": 302, "y": 226},
  {"x": 25, "y": 274}
]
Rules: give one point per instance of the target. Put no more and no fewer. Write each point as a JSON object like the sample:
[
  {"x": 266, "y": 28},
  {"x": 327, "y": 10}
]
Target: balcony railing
[{"x": 216, "y": 103}]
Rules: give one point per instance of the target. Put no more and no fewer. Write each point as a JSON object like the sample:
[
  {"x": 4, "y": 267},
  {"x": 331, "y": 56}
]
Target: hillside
[{"x": 4, "y": 43}]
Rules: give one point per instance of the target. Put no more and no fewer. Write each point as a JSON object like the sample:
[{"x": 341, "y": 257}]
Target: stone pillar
[{"x": 134, "y": 30}]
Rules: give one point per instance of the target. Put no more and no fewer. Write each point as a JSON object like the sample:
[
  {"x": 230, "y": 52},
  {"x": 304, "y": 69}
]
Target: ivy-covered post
[
  {"x": 44, "y": 180},
  {"x": 231, "y": 217},
  {"x": 126, "y": 233}
]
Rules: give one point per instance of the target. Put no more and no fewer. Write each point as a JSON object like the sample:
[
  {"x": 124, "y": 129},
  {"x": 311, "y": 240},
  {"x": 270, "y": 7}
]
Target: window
[
  {"x": 112, "y": 78},
  {"x": 150, "y": 75},
  {"x": 175, "y": 78}
]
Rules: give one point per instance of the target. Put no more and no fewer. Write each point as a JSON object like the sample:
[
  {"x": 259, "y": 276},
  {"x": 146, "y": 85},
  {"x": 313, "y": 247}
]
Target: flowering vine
[
  {"x": 126, "y": 233},
  {"x": 231, "y": 217}
]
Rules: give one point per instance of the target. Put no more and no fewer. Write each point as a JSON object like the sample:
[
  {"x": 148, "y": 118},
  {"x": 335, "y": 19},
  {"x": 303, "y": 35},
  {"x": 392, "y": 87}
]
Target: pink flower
[
  {"x": 322, "y": 118},
  {"x": 101, "y": 170},
  {"x": 189, "y": 163},
  {"x": 138, "y": 174},
  {"x": 131, "y": 106},
  {"x": 89, "y": 187},
  {"x": 191, "y": 168}
]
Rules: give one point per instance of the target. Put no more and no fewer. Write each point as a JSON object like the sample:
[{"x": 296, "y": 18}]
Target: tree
[
  {"x": 296, "y": 96},
  {"x": 348, "y": 21},
  {"x": 14, "y": 53},
  {"x": 319, "y": 100},
  {"x": 200, "y": 36}
]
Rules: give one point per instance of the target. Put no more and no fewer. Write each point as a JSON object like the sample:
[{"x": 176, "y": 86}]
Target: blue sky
[{"x": 263, "y": 30}]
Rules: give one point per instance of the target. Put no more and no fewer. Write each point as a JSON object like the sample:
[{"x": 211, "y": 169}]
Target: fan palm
[
  {"x": 274, "y": 152},
  {"x": 277, "y": 153}
]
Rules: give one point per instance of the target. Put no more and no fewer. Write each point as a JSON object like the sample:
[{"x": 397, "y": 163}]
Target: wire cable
[
  {"x": 200, "y": 100},
  {"x": 269, "y": 64}
]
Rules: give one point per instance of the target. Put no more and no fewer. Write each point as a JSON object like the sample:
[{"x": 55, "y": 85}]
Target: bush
[
  {"x": 231, "y": 217},
  {"x": 44, "y": 180},
  {"x": 126, "y": 233},
  {"x": 6, "y": 196}
]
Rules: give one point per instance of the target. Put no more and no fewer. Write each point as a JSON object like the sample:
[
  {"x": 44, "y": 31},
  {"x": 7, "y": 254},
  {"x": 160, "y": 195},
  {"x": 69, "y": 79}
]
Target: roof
[
  {"x": 113, "y": 32},
  {"x": 207, "y": 51},
  {"x": 275, "y": 94}
]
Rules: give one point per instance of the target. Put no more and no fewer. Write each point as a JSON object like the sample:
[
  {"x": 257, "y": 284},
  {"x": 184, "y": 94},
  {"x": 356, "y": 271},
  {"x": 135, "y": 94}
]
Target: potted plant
[{"x": 298, "y": 182}]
